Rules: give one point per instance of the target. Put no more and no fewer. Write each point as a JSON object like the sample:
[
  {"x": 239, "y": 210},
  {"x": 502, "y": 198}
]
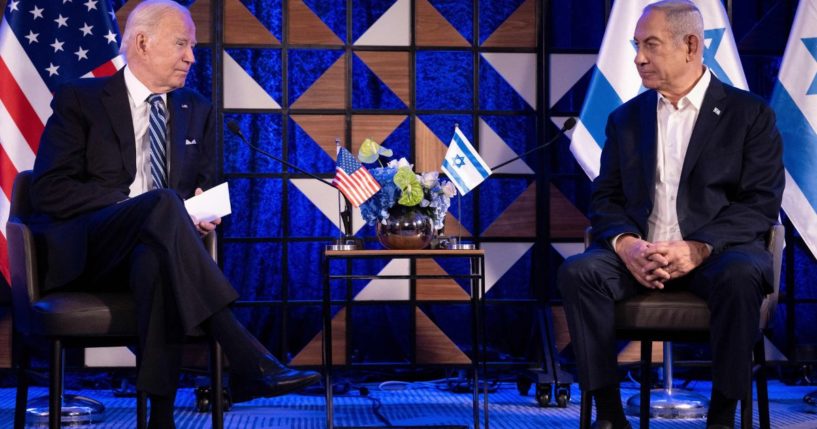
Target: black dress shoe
[
  {"x": 243, "y": 388},
  {"x": 606, "y": 424}
]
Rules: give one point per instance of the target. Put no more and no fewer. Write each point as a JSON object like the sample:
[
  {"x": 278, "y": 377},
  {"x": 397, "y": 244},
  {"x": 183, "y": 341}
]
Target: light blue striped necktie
[{"x": 158, "y": 141}]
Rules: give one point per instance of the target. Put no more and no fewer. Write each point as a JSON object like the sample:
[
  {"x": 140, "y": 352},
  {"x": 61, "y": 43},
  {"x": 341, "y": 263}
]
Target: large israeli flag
[
  {"x": 795, "y": 101},
  {"x": 463, "y": 165},
  {"x": 615, "y": 78}
]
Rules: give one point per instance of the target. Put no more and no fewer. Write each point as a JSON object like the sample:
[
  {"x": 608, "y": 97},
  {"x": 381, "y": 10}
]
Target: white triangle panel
[
  {"x": 109, "y": 357},
  {"x": 567, "y": 250},
  {"x": 326, "y": 200},
  {"x": 388, "y": 289},
  {"x": 565, "y": 71},
  {"x": 499, "y": 258},
  {"x": 495, "y": 151},
  {"x": 392, "y": 29},
  {"x": 241, "y": 91},
  {"x": 519, "y": 70}
]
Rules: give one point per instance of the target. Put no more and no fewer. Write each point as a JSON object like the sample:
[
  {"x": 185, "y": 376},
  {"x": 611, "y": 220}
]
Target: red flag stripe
[
  {"x": 348, "y": 188},
  {"x": 21, "y": 111},
  {"x": 7, "y": 174}
]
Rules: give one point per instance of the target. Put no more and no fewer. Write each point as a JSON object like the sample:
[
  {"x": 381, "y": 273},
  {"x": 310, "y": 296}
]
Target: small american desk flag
[
  {"x": 43, "y": 44},
  {"x": 353, "y": 179}
]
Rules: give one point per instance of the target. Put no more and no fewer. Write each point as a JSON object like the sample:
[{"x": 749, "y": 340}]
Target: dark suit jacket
[
  {"x": 87, "y": 160},
  {"x": 731, "y": 182}
]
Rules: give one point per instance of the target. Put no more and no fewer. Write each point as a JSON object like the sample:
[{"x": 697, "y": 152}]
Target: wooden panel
[
  {"x": 328, "y": 91},
  {"x": 432, "y": 29},
  {"x": 312, "y": 353},
  {"x": 323, "y": 129},
  {"x": 519, "y": 30},
  {"x": 429, "y": 151},
  {"x": 200, "y": 11},
  {"x": 433, "y": 346},
  {"x": 566, "y": 221},
  {"x": 437, "y": 289},
  {"x": 519, "y": 219},
  {"x": 241, "y": 27},
  {"x": 631, "y": 353},
  {"x": 306, "y": 28},
  {"x": 375, "y": 127},
  {"x": 392, "y": 69},
  {"x": 453, "y": 227},
  {"x": 5, "y": 337}
]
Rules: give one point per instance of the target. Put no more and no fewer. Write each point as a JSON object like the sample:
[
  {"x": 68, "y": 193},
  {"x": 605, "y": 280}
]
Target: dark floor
[{"x": 416, "y": 404}]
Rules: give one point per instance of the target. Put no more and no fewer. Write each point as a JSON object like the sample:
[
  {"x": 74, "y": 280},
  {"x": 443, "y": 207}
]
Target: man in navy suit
[
  {"x": 116, "y": 160},
  {"x": 691, "y": 180}
]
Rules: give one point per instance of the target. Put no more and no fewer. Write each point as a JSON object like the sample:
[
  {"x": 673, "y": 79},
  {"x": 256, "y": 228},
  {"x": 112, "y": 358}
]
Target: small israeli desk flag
[{"x": 463, "y": 165}]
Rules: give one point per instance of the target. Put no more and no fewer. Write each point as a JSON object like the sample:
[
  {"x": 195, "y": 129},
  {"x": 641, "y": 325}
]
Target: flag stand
[{"x": 455, "y": 243}]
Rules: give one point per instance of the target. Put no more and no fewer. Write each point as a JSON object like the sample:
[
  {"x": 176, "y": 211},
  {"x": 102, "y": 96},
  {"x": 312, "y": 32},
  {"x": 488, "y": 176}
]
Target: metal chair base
[
  {"x": 75, "y": 411},
  {"x": 672, "y": 404},
  {"x": 811, "y": 401}
]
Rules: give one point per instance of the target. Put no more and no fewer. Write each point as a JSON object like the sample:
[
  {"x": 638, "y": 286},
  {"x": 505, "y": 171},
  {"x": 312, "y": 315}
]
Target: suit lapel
[
  {"x": 649, "y": 138},
  {"x": 117, "y": 106},
  {"x": 179, "y": 107},
  {"x": 708, "y": 119}
]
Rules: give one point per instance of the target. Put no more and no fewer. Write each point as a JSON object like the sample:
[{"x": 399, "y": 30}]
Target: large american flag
[
  {"x": 353, "y": 179},
  {"x": 44, "y": 43}
]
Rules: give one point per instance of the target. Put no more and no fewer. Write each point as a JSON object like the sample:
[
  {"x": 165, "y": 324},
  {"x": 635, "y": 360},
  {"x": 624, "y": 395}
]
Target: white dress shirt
[
  {"x": 138, "y": 95},
  {"x": 675, "y": 125}
]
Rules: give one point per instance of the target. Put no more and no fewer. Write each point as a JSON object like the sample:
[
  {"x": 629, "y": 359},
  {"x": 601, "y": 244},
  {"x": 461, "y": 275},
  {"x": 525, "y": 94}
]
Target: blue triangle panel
[
  {"x": 304, "y": 278},
  {"x": 380, "y": 333},
  {"x": 516, "y": 282},
  {"x": 306, "y": 66},
  {"x": 454, "y": 320},
  {"x": 444, "y": 80},
  {"x": 254, "y": 199},
  {"x": 459, "y": 13},
  {"x": 518, "y": 132},
  {"x": 369, "y": 92},
  {"x": 253, "y": 269},
  {"x": 573, "y": 99},
  {"x": 492, "y": 14},
  {"x": 332, "y": 13},
  {"x": 495, "y": 93},
  {"x": 496, "y": 194},
  {"x": 306, "y": 153},
  {"x": 443, "y": 126},
  {"x": 262, "y": 130},
  {"x": 267, "y": 12},
  {"x": 306, "y": 219},
  {"x": 367, "y": 12},
  {"x": 200, "y": 76},
  {"x": 264, "y": 66}
]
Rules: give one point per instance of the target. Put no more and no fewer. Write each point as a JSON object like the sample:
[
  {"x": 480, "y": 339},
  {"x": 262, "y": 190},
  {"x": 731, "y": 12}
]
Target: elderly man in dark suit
[
  {"x": 116, "y": 159},
  {"x": 691, "y": 179}
]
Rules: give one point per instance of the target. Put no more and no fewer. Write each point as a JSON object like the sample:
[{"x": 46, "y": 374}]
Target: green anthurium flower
[
  {"x": 370, "y": 151},
  {"x": 410, "y": 187}
]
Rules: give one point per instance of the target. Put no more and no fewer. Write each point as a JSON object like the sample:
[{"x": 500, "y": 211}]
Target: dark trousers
[
  {"x": 149, "y": 245},
  {"x": 732, "y": 283}
]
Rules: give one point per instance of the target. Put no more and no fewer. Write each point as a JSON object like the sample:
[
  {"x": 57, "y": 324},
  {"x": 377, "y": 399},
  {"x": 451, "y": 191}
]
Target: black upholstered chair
[
  {"x": 683, "y": 316},
  {"x": 71, "y": 319}
]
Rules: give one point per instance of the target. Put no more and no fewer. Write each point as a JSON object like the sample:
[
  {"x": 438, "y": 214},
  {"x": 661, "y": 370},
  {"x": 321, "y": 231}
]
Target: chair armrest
[
  {"x": 211, "y": 244},
  {"x": 23, "y": 269}
]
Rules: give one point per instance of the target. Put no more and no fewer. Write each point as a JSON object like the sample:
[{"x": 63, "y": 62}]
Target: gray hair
[
  {"x": 145, "y": 17},
  {"x": 683, "y": 18}
]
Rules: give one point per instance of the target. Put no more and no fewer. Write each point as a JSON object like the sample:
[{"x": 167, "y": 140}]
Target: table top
[{"x": 403, "y": 253}]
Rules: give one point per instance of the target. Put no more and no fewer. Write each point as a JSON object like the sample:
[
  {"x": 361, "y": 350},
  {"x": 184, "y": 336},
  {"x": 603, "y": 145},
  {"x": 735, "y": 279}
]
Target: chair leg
[
  {"x": 141, "y": 409},
  {"x": 217, "y": 390},
  {"x": 55, "y": 386},
  {"x": 586, "y": 410},
  {"x": 762, "y": 385},
  {"x": 646, "y": 382},
  {"x": 22, "y": 386}
]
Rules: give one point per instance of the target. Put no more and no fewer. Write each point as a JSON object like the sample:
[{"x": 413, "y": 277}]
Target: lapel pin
[
  {"x": 717, "y": 111},
  {"x": 184, "y": 106}
]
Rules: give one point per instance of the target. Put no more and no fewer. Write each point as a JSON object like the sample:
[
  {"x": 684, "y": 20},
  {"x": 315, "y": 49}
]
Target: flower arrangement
[{"x": 402, "y": 190}]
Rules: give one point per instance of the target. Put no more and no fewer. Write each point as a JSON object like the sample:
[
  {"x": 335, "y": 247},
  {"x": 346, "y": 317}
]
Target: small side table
[{"x": 476, "y": 277}]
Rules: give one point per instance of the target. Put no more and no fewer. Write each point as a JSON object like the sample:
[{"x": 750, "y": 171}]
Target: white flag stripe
[
  {"x": 587, "y": 155},
  {"x": 799, "y": 66},
  {"x": 800, "y": 213},
  {"x": 24, "y": 73},
  {"x": 354, "y": 193},
  {"x": 14, "y": 144},
  {"x": 5, "y": 205}
]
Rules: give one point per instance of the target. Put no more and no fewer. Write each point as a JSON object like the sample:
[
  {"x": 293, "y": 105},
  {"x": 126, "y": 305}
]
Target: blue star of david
[
  {"x": 811, "y": 45},
  {"x": 716, "y": 35},
  {"x": 459, "y": 161}
]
